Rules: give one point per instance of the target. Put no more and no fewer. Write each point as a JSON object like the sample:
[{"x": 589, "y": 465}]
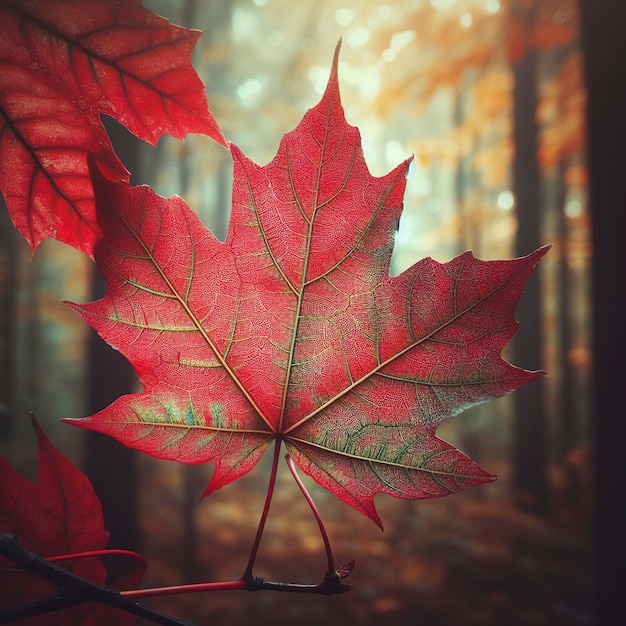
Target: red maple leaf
[
  {"x": 292, "y": 329},
  {"x": 62, "y": 64},
  {"x": 57, "y": 515}
]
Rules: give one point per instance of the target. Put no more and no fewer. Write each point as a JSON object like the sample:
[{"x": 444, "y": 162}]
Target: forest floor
[{"x": 472, "y": 559}]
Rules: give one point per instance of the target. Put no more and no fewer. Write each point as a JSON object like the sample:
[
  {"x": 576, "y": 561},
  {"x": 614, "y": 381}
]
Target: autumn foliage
[
  {"x": 291, "y": 332},
  {"x": 292, "y": 329}
]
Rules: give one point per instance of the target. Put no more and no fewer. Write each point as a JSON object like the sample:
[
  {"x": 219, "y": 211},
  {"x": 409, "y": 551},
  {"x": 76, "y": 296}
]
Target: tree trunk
[
  {"x": 604, "y": 51},
  {"x": 529, "y": 428},
  {"x": 568, "y": 431},
  {"x": 7, "y": 330}
]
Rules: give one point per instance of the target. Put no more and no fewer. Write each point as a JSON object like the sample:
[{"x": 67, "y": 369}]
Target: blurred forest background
[{"x": 489, "y": 96}]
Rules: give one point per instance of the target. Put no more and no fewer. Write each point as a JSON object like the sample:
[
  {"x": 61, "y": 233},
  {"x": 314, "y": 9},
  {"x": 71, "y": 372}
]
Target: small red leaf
[
  {"x": 293, "y": 329},
  {"x": 59, "y": 514},
  {"x": 62, "y": 65}
]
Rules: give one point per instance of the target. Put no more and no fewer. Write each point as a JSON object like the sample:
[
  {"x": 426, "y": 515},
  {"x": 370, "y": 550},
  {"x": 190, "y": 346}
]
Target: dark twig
[
  {"x": 73, "y": 589},
  {"x": 329, "y": 587}
]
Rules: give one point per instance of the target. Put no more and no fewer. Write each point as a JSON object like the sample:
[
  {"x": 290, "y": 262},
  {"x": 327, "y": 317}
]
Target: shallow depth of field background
[{"x": 430, "y": 78}]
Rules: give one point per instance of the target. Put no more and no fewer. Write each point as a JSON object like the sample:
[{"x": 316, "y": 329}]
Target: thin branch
[
  {"x": 329, "y": 586},
  {"x": 62, "y": 599},
  {"x": 73, "y": 590}
]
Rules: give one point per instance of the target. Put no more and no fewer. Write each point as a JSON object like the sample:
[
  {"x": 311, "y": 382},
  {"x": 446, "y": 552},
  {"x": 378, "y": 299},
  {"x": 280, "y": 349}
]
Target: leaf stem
[
  {"x": 331, "y": 584},
  {"x": 98, "y": 553},
  {"x": 329, "y": 553},
  {"x": 247, "y": 575},
  {"x": 136, "y": 594}
]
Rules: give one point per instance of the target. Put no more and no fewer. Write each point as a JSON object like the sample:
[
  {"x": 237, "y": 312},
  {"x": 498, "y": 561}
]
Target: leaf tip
[
  {"x": 216, "y": 134},
  {"x": 333, "y": 79},
  {"x": 336, "y": 54},
  {"x": 534, "y": 374},
  {"x": 539, "y": 253},
  {"x": 376, "y": 519},
  {"x": 210, "y": 489},
  {"x": 74, "y": 421},
  {"x": 369, "y": 510},
  {"x": 36, "y": 427}
]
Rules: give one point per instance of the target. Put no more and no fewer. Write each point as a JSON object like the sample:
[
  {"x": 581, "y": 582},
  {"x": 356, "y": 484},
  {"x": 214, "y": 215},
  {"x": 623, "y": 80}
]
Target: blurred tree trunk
[
  {"x": 604, "y": 51},
  {"x": 8, "y": 285},
  {"x": 568, "y": 432},
  {"x": 529, "y": 427},
  {"x": 568, "y": 412},
  {"x": 111, "y": 467},
  {"x": 465, "y": 180}
]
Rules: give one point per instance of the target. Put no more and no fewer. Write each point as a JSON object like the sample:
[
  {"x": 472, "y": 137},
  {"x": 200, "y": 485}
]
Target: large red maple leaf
[
  {"x": 292, "y": 329},
  {"x": 63, "y": 64}
]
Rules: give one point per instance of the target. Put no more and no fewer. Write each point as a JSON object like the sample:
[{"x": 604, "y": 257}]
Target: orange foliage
[
  {"x": 539, "y": 24},
  {"x": 492, "y": 161},
  {"x": 561, "y": 112}
]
